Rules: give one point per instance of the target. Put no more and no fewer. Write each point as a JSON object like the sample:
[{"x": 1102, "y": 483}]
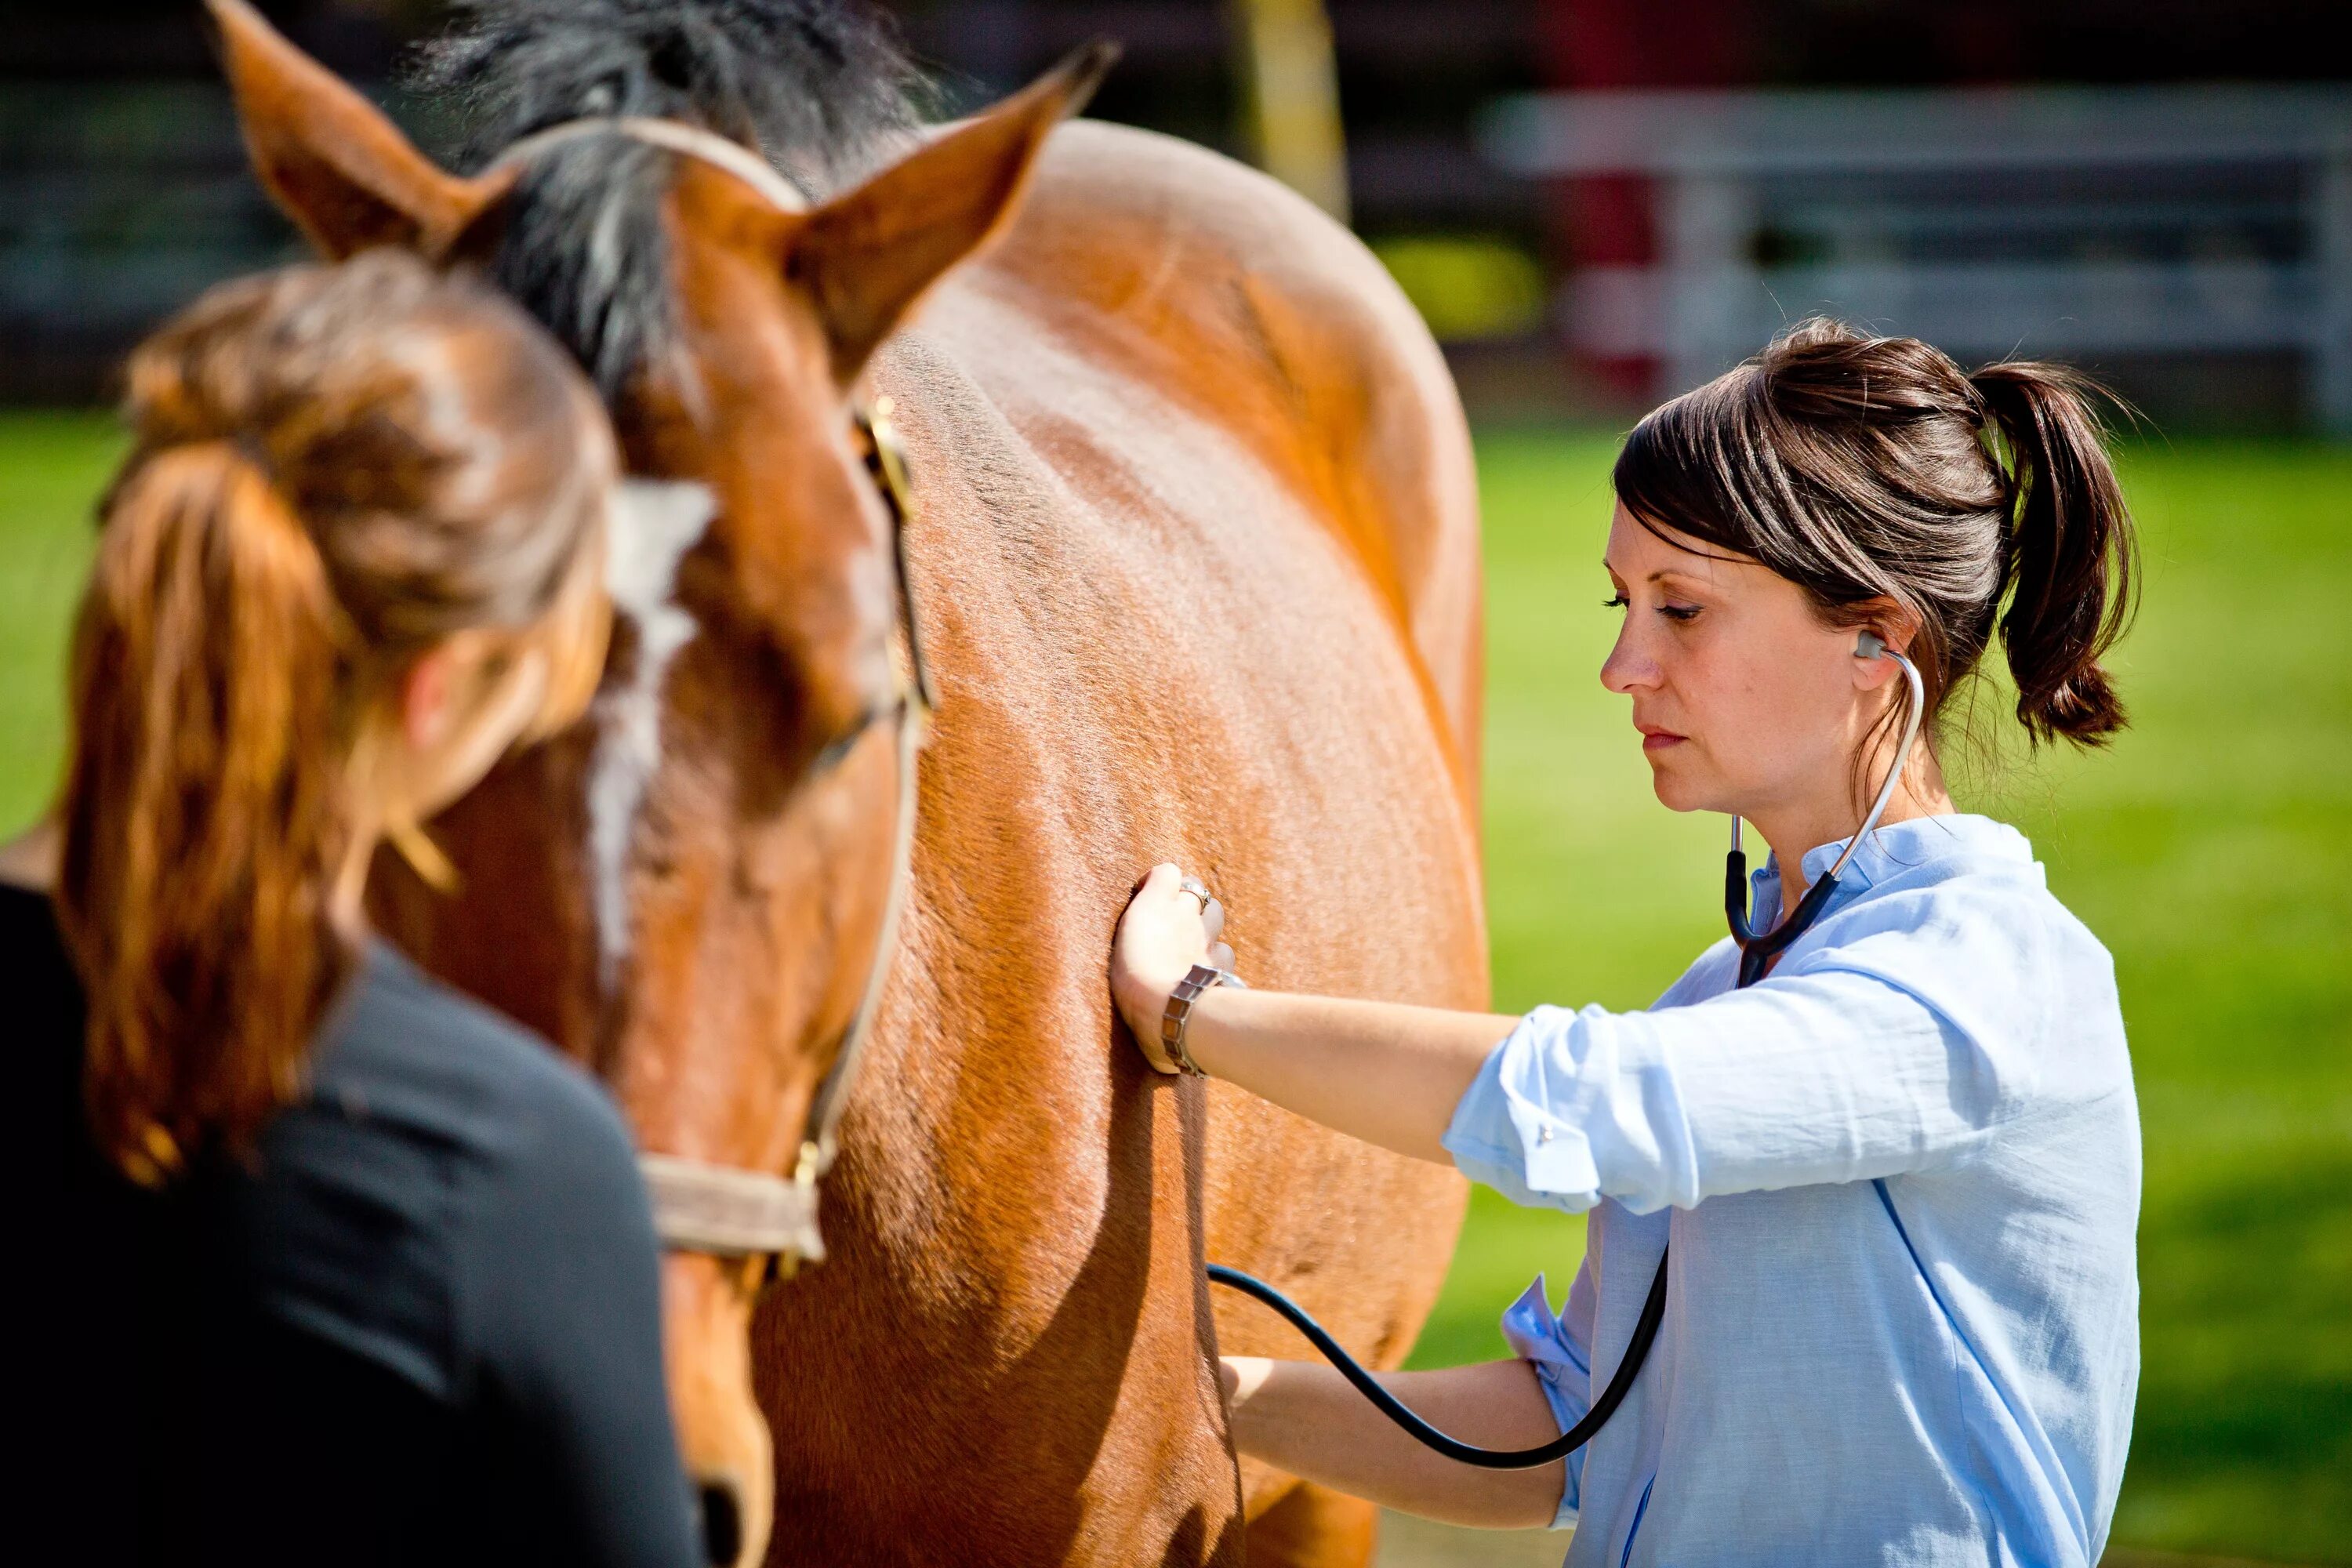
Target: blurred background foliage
[
  {"x": 1584, "y": 246},
  {"x": 2189, "y": 249},
  {"x": 1468, "y": 287}
]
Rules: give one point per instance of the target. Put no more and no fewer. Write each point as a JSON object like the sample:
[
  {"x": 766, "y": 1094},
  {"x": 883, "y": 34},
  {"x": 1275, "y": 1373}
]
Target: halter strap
[
  {"x": 729, "y": 1211},
  {"x": 673, "y": 135},
  {"x": 918, "y": 701}
]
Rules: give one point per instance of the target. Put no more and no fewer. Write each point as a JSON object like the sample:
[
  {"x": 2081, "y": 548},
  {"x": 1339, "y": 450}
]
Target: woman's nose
[{"x": 1626, "y": 669}]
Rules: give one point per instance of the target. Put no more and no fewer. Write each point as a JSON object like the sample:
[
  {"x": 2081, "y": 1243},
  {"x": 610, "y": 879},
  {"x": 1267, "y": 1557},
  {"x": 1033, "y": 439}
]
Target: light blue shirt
[{"x": 1900, "y": 1176}]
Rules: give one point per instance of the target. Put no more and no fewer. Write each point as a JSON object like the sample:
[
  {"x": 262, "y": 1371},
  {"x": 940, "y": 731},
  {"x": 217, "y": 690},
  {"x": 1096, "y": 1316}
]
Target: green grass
[
  {"x": 2208, "y": 849},
  {"x": 51, "y": 469}
]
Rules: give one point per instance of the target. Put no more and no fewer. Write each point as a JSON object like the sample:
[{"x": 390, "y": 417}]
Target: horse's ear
[
  {"x": 341, "y": 171},
  {"x": 867, "y": 256}
]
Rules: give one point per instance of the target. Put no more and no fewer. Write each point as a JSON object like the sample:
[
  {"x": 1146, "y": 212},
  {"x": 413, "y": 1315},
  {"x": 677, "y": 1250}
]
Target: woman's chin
[{"x": 1677, "y": 790}]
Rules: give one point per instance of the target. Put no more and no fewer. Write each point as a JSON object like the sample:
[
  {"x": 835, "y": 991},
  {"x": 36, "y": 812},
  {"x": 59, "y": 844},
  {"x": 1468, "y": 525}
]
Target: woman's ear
[
  {"x": 424, "y": 696},
  {"x": 1895, "y": 625},
  {"x": 461, "y": 707}
]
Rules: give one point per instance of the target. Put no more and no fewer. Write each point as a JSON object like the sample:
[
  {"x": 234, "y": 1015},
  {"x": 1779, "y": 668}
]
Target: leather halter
[{"x": 729, "y": 1211}]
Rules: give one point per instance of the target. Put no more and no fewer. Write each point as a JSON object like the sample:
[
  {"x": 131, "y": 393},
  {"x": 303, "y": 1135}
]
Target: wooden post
[
  {"x": 2331, "y": 370},
  {"x": 1290, "y": 97}
]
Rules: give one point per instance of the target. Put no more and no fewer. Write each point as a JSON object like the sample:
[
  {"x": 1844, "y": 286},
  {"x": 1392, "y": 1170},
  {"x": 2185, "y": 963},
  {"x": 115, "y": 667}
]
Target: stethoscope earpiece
[{"x": 1869, "y": 645}]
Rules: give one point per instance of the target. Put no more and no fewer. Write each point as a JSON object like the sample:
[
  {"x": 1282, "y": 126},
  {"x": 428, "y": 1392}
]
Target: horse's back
[{"x": 1195, "y": 271}]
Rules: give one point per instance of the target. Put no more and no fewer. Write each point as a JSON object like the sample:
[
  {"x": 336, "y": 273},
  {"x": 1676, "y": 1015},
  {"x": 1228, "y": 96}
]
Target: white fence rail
[{"x": 2068, "y": 221}]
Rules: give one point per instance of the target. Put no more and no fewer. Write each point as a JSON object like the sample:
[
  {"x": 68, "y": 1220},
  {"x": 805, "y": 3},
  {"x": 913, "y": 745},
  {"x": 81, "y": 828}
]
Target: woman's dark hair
[
  {"x": 334, "y": 468},
  {"x": 1867, "y": 469}
]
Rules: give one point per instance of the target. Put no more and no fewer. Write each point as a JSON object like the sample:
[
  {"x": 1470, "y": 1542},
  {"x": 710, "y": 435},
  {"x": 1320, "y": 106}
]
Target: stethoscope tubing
[
  {"x": 1637, "y": 1350},
  {"x": 1756, "y": 952}
]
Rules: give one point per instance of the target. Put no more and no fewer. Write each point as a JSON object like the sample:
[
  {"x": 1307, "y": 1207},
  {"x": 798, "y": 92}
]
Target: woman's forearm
[
  {"x": 1304, "y": 1417},
  {"x": 1381, "y": 1072}
]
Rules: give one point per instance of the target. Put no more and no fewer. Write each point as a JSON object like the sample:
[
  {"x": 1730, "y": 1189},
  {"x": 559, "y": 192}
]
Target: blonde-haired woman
[{"x": 348, "y": 1268}]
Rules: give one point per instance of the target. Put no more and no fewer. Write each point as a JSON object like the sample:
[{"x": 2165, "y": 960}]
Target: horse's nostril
[{"x": 723, "y": 1523}]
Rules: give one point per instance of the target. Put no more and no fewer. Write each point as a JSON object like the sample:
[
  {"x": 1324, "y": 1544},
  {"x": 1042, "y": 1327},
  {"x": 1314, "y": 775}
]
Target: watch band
[{"x": 1173, "y": 1022}]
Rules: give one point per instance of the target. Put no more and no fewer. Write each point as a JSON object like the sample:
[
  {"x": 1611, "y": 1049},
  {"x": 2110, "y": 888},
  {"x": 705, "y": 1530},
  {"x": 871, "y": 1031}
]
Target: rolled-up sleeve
[
  {"x": 1834, "y": 1075},
  {"x": 1558, "y": 1351}
]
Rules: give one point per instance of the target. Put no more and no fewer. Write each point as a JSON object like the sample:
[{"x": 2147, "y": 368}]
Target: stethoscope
[{"x": 1756, "y": 952}]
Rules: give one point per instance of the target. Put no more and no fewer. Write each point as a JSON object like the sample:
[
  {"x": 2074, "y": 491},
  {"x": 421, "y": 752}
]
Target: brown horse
[{"x": 1197, "y": 562}]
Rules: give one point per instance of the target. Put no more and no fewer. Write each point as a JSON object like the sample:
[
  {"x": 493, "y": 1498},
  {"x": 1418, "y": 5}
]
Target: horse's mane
[
  {"x": 818, "y": 87},
  {"x": 814, "y": 84}
]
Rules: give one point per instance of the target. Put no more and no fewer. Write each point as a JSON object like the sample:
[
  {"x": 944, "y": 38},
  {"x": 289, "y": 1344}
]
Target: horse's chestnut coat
[{"x": 1198, "y": 560}]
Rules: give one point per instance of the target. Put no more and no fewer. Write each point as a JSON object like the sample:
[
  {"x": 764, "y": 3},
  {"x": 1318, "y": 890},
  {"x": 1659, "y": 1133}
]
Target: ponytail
[
  {"x": 204, "y": 810},
  {"x": 335, "y": 469},
  {"x": 2072, "y": 555}
]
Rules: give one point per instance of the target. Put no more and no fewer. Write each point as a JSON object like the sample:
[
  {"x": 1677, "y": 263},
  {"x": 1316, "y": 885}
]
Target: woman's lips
[{"x": 1659, "y": 739}]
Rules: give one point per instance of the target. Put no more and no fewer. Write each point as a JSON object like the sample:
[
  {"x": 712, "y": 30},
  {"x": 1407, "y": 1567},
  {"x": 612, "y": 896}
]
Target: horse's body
[
  {"x": 1197, "y": 554},
  {"x": 1196, "y": 562}
]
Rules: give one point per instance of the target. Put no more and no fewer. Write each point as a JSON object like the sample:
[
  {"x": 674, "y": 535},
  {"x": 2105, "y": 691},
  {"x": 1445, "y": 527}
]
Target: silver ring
[{"x": 1199, "y": 890}]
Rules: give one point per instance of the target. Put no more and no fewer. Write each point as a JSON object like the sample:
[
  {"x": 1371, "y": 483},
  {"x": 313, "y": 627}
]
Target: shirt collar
[{"x": 1891, "y": 850}]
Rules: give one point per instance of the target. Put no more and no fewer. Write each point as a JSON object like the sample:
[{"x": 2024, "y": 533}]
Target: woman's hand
[
  {"x": 1387, "y": 1072},
  {"x": 1304, "y": 1417},
  {"x": 1167, "y": 929}
]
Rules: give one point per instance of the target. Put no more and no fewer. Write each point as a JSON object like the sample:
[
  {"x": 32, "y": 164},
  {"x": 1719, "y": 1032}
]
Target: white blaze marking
[{"x": 654, "y": 524}]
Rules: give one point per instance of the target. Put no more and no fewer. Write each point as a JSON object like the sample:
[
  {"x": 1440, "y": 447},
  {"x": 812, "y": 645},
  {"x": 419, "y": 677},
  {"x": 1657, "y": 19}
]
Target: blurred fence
[
  {"x": 117, "y": 204},
  {"x": 2193, "y": 245},
  {"x": 122, "y": 189},
  {"x": 2085, "y": 223}
]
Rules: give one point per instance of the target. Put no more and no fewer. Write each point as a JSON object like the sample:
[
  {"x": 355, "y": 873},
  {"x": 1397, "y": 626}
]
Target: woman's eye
[
  {"x": 1679, "y": 612},
  {"x": 1614, "y": 602}
]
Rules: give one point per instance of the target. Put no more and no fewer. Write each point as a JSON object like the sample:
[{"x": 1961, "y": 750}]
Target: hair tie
[{"x": 251, "y": 452}]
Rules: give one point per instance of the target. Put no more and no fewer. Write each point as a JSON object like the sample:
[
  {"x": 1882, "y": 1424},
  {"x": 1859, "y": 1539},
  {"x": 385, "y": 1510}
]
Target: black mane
[
  {"x": 819, "y": 87},
  {"x": 814, "y": 84}
]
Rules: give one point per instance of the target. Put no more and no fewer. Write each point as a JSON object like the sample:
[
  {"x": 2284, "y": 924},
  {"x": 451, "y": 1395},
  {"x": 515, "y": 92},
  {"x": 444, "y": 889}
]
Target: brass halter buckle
[
  {"x": 885, "y": 455},
  {"x": 885, "y": 462}
]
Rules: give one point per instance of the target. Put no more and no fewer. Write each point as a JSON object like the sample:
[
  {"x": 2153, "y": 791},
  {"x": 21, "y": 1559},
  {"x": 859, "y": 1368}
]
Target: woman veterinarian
[
  {"x": 1900, "y": 1172},
  {"x": 345, "y": 1268}
]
